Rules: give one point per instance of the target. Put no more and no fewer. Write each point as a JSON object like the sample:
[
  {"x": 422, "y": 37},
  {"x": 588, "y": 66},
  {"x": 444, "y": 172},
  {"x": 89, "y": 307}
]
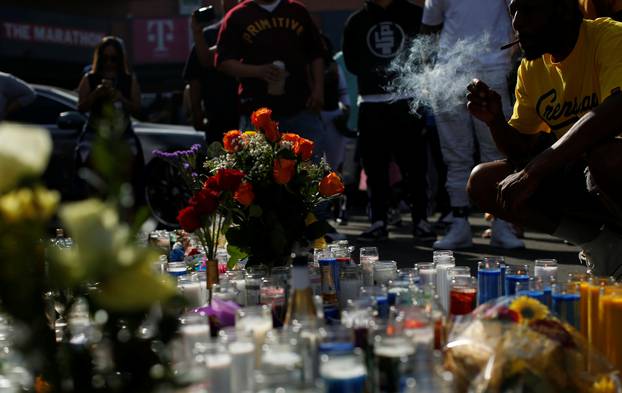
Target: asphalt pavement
[{"x": 401, "y": 248}]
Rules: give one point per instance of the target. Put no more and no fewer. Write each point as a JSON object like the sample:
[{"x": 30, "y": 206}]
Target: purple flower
[{"x": 222, "y": 310}]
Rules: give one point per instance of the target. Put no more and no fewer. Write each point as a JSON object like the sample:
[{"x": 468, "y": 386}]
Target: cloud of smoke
[{"x": 434, "y": 79}]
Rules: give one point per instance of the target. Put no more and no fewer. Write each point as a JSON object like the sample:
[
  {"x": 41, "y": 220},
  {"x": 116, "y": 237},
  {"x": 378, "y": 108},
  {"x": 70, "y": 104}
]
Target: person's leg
[
  {"x": 334, "y": 141},
  {"x": 561, "y": 207},
  {"x": 409, "y": 149},
  {"x": 605, "y": 164},
  {"x": 502, "y": 234},
  {"x": 455, "y": 131},
  {"x": 375, "y": 157}
]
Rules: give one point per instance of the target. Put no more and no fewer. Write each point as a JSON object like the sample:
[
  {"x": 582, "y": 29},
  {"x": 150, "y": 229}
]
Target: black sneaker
[
  {"x": 422, "y": 232},
  {"x": 377, "y": 232}
]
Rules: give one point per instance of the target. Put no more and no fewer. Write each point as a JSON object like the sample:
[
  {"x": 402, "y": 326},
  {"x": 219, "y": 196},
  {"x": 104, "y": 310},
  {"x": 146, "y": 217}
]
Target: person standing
[
  {"x": 374, "y": 35},
  {"x": 110, "y": 93},
  {"x": 14, "y": 94},
  {"x": 458, "y": 131},
  {"x": 213, "y": 94},
  {"x": 275, "y": 50}
]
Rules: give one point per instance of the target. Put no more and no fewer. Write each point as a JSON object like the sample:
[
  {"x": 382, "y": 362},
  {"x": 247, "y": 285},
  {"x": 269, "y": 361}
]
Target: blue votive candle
[
  {"x": 343, "y": 373},
  {"x": 511, "y": 280},
  {"x": 566, "y": 306},
  {"x": 488, "y": 281}
]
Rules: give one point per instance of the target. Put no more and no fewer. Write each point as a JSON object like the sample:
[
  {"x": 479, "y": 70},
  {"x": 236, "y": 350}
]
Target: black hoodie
[{"x": 373, "y": 37}]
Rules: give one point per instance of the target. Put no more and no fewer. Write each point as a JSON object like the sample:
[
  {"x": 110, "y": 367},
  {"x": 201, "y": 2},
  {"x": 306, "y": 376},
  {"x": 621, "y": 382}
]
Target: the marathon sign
[
  {"x": 46, "y": 34},
  {"x": 162, "y": 40}
]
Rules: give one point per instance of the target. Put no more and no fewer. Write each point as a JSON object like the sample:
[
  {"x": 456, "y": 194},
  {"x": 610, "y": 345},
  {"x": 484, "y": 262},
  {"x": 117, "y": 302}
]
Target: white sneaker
[
  {"x": 458, "y": 236},
  {"x": 503, "y": 236},
  {"x": 602, "y": 255}
]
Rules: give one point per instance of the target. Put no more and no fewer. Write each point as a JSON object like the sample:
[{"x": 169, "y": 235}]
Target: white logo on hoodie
[{"x": 385, "y": 39}]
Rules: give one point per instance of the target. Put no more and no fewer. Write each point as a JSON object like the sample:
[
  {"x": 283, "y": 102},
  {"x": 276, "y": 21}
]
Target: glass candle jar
[
  {"x": 384, "y": 271},
  {"x": 488, "y": 281}
]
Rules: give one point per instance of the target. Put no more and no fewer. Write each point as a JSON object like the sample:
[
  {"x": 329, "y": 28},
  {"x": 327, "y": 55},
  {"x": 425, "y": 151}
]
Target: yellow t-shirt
[{"x": 553, "y": 96}]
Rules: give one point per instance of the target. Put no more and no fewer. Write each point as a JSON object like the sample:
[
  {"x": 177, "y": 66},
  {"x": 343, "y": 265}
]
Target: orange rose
[
  {"x": 304, "y": 149},
  {"x": 331, "y": 185},
  {"x": 290, "y": 137},
  {"x": 261, "y": 118},
  {"x": 231, "y": 141},
  {"x": 283, "y": 170},
  {"x": 245, "y": 195},
  {"x": 271, "y": 131}
]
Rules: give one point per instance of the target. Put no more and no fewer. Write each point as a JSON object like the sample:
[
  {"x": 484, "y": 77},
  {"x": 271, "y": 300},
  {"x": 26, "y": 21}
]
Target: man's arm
[
  {"x": 237, "y": 69},
  {"x": 198, "y": 116},
  {"x": 486, "y": 105},
  {"x": 205, "y": 56},
  {"x": 595, "y": 127}
]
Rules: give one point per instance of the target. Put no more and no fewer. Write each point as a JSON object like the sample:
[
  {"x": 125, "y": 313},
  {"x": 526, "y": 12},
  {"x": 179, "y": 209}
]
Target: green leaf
[
  {"x": 255, "y": 211},
  {"x": 214, "y": 150},
  {"x": 235, "y": 255}
]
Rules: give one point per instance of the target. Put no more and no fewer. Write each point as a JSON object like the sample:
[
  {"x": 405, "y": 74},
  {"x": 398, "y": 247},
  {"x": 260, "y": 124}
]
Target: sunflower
[
  {"x": 604, "y": 385},
  {"x": 529, "y": 309}
]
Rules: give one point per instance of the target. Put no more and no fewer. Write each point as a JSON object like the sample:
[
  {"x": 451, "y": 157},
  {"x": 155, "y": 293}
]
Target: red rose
[
  {"x": 229, "y": 179},
  {"x": 188, "y": 219},
  {"x": 283, "y": 170},
  {"x": 205, "y": 201},
  {"x": 212, "y": 183},
  {"x": 304, "y": 149},
  {"x": 245, "y": 195}
]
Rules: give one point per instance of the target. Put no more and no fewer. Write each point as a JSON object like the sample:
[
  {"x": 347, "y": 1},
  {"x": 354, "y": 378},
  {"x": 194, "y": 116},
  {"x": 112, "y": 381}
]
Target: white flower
[{"x": 24, "y": 151}]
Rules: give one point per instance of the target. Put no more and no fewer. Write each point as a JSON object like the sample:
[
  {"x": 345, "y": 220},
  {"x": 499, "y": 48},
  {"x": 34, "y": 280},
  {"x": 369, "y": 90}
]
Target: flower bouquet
[
  {"x": 516, "y": 345},
  {"x": 260, "y": 193}
]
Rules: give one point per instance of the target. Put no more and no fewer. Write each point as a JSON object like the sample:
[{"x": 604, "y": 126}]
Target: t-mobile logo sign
[
  {"x": 160, "y": 32},
  {"x": 385, "y": 39}
]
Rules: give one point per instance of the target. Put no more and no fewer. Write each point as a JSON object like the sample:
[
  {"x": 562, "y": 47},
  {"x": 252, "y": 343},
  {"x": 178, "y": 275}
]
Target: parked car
[{"x": 56, "y": 110}]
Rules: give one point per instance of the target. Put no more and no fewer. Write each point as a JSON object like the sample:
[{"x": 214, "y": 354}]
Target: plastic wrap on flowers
[{"x": 513, "y": 344}]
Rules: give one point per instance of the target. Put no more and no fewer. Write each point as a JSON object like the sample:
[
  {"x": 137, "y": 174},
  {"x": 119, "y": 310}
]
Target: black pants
[{"x": 388, "y": 131}]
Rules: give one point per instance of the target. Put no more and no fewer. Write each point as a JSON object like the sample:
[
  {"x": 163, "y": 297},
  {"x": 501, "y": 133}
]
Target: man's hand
[
  {"x": 514, "y": 190},
  {"x": 315, "y": 102},
  {"x": 268, "y": 72},
  {"x": 484, "y": 103}
]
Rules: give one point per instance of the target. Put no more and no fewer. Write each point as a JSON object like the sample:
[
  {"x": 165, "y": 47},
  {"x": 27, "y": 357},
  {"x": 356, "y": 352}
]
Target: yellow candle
[
  {"x": 594, "y": 334},
  {"x": 582, "y": 281},
  {"x": 583, "y": 308},
  {"x": 611, "y": 314}
]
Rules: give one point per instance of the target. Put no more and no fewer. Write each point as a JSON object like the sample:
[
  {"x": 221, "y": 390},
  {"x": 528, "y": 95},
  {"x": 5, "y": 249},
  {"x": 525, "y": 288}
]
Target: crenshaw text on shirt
[{"x": 551, "y": 111}]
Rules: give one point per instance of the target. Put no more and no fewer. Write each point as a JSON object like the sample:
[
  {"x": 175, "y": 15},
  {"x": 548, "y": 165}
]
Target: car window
[{"x": 42, "y": 111}]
